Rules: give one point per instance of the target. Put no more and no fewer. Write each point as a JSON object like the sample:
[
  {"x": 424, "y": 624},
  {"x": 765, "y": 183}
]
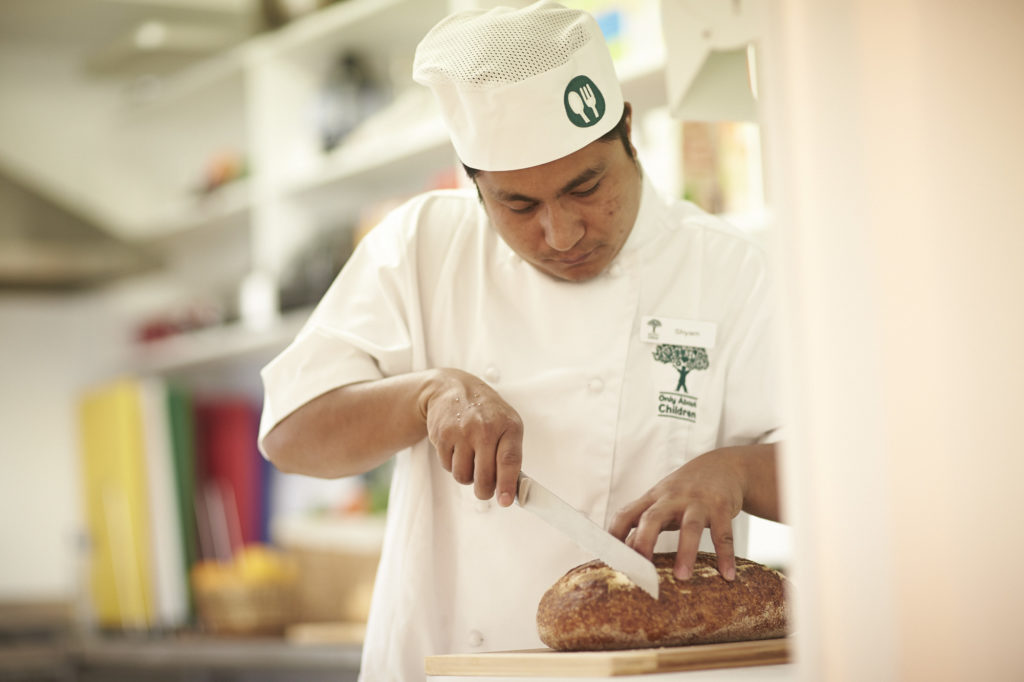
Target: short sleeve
[
  {"x": 361, "y": 330},
  {"x": 752, "y": 392}
]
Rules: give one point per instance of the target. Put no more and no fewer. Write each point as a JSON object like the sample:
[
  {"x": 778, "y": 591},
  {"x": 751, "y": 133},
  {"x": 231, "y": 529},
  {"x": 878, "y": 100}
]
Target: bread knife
[{"x": 591, "y": 537}]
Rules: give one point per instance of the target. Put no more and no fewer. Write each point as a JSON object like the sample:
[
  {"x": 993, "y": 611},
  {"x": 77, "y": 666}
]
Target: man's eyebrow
[
  {"x": 502, "y": 195},
  {"x": 585, "y": 176}
]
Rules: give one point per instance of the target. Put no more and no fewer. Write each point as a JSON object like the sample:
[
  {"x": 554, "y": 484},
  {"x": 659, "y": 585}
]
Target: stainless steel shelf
[{"x": 204, "y": 653}]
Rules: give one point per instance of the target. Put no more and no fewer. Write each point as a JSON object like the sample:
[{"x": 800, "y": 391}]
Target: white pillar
[{"x": 894, "y": 135}]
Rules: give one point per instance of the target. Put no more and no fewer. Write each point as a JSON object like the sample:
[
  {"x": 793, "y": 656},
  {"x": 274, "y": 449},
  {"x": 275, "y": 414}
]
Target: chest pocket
[{"x": 682, "y": 399}]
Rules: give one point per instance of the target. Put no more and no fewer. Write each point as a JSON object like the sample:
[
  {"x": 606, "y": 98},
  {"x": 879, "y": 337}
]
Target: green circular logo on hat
[{"x": 584, "y": 103}]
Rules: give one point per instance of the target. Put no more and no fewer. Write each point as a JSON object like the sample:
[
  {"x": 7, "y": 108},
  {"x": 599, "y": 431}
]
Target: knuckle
[
  {"x": 444, "y": 454},
  {"x": 514, "y": 425},
  {"x": 509, "y": 457},
  {"x": 447, "y": 433},
  {"x": 622, "y": 518},
  {"x": 724, "y": 538},
  {"x": 484, "y": 457},
  {"x": 693, "y": 524},
  {"x": 721, "y": 506},
  {"x": 462, "y": 470},
  {"x": 651, "y": 517}
]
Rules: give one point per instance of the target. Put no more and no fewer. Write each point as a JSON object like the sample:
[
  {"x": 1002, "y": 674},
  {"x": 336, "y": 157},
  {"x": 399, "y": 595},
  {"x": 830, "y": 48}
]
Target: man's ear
[{"x": 627, "y": 117}]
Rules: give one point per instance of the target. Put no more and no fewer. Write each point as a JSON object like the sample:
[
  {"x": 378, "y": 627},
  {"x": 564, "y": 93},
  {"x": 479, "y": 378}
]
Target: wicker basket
[{"x": 246, "y": 609}]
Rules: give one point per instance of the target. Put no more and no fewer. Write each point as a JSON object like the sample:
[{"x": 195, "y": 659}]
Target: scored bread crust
[{"x": 596, "y": 608}]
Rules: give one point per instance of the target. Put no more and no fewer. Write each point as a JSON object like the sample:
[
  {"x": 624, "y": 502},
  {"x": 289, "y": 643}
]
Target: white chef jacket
[{"x": 604, "y": 419}]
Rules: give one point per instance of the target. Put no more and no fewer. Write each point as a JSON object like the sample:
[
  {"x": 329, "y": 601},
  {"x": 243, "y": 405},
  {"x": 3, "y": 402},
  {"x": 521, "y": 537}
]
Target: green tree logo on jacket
[{"x": 684, "y": 359}]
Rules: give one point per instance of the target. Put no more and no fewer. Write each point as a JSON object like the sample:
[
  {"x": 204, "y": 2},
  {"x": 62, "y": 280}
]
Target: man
[{"x": 561, "y": 320}]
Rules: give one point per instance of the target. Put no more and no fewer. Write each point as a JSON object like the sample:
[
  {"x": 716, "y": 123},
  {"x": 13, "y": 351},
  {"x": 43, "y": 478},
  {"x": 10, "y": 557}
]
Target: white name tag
[{"x": 678, "y": 332}]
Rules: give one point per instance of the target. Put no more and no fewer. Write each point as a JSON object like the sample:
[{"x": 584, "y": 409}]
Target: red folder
[{"x": 230, "y": 470}]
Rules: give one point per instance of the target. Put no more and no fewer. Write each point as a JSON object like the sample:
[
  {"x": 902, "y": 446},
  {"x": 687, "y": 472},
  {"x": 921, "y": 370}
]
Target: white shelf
[
  {"x": 374, "y": 26},
  {"x": 216, "y": 345},
  {"x": 227, "y": 205},
  {"x": 256, "y": 100},
  {"x": 217, "y": 73},
  {"x": 423, "y": 145},
  {"x": 369, "y": 25},
  {"x": 347, "y": 534},
  {"x": 369, "y": 161},
  {"x": 397, "y": 155}
]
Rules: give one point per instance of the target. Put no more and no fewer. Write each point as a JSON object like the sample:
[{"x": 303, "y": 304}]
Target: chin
[{"x": 581, "y": 273}]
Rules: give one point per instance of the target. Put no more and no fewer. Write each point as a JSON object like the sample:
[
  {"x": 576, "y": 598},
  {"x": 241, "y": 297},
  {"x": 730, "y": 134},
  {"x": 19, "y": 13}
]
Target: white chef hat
[{"x": 520, "y": 87}]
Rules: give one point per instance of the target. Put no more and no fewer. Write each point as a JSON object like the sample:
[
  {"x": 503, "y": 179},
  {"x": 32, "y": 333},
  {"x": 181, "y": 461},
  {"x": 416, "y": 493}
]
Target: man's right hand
[{"x": 478, "y": 436}]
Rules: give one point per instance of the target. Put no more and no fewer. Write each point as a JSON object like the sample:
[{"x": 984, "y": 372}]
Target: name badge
[{"x": 693, "y": 333}]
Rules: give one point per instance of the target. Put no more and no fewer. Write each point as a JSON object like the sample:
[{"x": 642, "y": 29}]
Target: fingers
[
  {"x": 706, "y": 492},
  {"x": 647, "y": 523},
  {"x": 509, "y": 462},
  {"x": 695, "y": 520},
  {"x": 463, "y": 464},
  {"x": 445, "y": 453},
  {"x": 498, "y": 466},
  {"x": 477, "y": 436},
  {"x": 627, "y": 518},
  {"x": 721, "y": 536},
  {"x": 690, "y": 529},
  {"x": 483, "y": 477},
  {"x": 652, "y": 521}
]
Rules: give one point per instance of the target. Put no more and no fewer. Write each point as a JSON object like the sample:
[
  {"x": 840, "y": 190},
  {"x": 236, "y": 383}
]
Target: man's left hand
[{"x": 706, "y": 492}]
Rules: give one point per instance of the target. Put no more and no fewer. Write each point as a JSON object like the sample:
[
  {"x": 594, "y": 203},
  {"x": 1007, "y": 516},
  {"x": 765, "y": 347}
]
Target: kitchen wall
[
  {"x": 51, "y": 347},
  {"x": 48, "y": 344}
]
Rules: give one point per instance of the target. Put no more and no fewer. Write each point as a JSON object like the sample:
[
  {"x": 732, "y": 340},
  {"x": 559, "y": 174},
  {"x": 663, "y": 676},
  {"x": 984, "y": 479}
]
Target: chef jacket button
[
  {"x": 595, "y": 385},
  {"x": 482, "y": 505},
  {"x": 476, "y": 638},
  {"x": 492, "y": 374},
  {"x": 615, "y": 270}
]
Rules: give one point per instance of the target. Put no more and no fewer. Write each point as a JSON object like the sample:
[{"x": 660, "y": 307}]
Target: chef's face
[{"x": 569, "y": 217}]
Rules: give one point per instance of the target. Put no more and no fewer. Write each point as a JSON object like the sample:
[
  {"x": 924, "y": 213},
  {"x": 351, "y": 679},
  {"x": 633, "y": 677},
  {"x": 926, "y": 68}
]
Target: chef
[{"x": 559, "y": 318}]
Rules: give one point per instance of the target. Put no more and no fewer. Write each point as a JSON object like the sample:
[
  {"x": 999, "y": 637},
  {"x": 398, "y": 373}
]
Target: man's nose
[{"x": 562, "y": 229}]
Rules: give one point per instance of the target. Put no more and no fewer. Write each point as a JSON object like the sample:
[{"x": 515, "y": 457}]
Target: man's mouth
[{"x": 573, "y": 260}]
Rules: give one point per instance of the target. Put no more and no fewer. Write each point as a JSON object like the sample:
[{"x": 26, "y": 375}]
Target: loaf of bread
[{"x": 593, "y": 607}]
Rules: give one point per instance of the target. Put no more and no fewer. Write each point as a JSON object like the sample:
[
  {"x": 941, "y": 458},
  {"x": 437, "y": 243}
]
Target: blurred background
[{"x": 180, "y": 181}]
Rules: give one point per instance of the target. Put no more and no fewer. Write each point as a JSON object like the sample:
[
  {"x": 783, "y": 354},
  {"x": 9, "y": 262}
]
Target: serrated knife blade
[{"x": 534, "y": 497}]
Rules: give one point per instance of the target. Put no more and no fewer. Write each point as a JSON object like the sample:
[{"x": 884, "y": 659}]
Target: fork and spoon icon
[{"x": 585, "y": 96}]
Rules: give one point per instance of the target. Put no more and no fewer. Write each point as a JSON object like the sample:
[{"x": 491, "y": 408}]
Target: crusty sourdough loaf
[{"x": 593, "y": 607}]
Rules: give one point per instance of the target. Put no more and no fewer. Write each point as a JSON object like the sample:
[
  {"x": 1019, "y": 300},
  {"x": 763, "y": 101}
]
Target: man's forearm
[
  {"x": 760, "y": 476},
  {"x": 351, "y": 429}
]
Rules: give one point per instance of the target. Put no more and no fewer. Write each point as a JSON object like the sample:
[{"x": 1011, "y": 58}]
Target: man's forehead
[{"x": 530, "y": 183}]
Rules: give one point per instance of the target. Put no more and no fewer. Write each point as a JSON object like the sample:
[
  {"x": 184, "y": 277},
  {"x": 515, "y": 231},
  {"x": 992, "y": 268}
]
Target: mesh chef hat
[{"x": 520, "y": 87}]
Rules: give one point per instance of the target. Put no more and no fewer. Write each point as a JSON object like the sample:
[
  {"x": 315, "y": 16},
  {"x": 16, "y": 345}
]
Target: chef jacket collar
[{"x": 651, "y": 220}]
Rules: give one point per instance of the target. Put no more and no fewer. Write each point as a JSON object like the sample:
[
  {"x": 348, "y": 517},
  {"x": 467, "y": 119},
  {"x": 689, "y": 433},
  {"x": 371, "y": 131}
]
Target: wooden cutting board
[{"x": 546, "y": 662}]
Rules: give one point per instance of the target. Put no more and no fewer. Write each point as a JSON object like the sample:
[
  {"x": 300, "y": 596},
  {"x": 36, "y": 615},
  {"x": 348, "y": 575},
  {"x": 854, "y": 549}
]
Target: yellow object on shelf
[
  {"x": 255, "y": 594},
  {"x": 116, "y": 509}
]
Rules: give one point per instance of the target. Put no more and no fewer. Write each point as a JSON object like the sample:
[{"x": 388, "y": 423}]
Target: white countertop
[{"x": 757, "y": 673}]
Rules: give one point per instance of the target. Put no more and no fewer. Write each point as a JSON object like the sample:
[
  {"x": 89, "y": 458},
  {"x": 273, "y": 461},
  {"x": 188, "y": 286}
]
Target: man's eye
[
  {"x": 524, "y": 209},
  {"x": 587, "y": 192}
]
